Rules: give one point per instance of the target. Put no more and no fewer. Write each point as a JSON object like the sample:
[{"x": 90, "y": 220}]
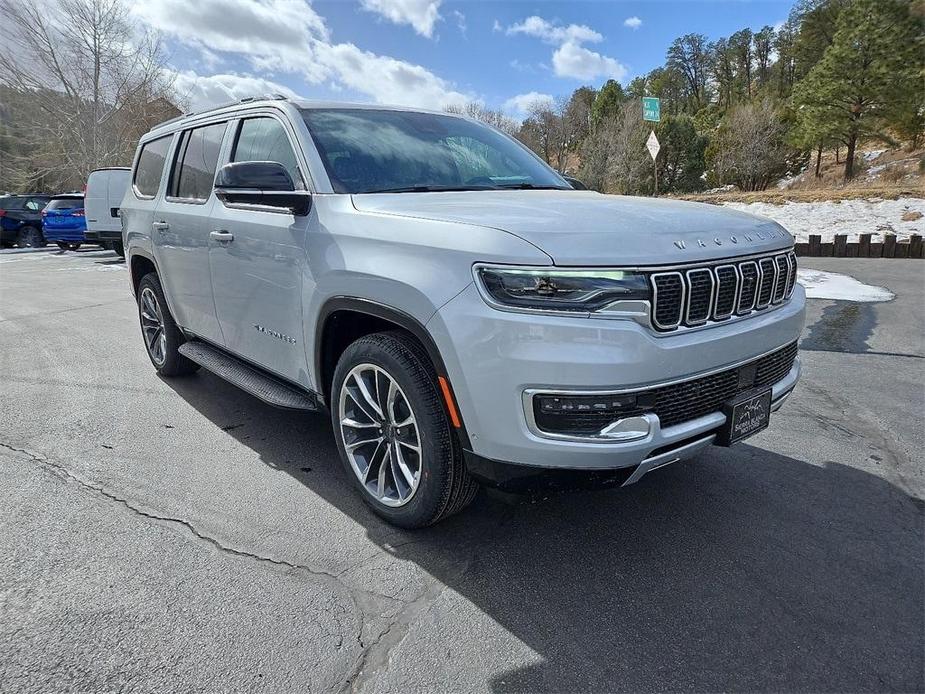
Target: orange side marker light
[{"x": 450, "y": 405}]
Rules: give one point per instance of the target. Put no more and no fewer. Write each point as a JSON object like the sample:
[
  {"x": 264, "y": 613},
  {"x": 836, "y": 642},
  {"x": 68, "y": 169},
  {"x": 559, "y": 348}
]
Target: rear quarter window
[{"x": 151, "y": 166}]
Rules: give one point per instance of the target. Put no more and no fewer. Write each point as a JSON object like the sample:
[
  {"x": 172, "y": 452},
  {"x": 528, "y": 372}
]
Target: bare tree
[
  {"x": 93, "y": 82},
  {"x": 480, "y": 112},
  {"x": 750, "y": 149},
  {"x": 614, "y": 157}
]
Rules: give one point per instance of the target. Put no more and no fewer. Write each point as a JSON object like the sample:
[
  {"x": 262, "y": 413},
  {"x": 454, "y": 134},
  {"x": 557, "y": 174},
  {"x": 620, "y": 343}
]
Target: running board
[{"x": 248, "y": 378}]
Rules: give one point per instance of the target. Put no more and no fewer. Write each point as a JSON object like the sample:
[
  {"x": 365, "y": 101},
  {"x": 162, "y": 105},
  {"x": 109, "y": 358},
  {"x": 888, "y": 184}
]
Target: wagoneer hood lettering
[{"x": 587, "y": 228}]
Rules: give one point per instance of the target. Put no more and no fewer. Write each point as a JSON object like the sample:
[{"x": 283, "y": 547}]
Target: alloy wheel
[
  {"x": 380, "y": 434},
  {"x": 152, "y": 325}
]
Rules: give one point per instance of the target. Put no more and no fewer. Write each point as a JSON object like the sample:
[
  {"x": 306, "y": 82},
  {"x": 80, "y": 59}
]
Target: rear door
[
  {"x": 180, "y": 231},
  {"x": 257, "y": 275},
  {"x": 146, "y": 188}
]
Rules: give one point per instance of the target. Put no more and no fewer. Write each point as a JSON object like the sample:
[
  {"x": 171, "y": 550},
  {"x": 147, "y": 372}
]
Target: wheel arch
[
  {"x": 139, "y": 265},
  {"x": 344, "y": 319}
]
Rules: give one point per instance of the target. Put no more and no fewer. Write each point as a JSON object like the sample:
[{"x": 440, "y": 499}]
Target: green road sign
[{"x": 651, "y": 109}]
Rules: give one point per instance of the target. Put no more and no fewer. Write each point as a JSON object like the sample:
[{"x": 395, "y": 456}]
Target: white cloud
[
  {"x": 632, "y": 22},
  {"x": 522, "y": 103},
  {"x": 497, "y": 26},
  {"x": 420, "y": 14},
  {"x": 553, "y": 33},
  {"x": 571, "y": 59},
  {"x": 199, "y": 92},
  {"x": 289, "y": 37},
  {"x": 460, "y": 22}
]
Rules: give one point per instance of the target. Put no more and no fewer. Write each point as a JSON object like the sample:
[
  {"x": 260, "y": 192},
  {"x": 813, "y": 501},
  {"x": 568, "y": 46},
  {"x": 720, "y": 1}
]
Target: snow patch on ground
[
  {"x": 873, "y": 154},
  {"x": 832, "y": 285},
  {"x": 851, "y": 217}
]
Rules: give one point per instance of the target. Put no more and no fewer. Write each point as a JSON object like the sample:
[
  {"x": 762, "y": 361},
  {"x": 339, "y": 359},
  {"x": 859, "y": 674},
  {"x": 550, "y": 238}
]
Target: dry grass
[
  {"x": 894, "y": 174},
  {"x": 779, "y": 197}
]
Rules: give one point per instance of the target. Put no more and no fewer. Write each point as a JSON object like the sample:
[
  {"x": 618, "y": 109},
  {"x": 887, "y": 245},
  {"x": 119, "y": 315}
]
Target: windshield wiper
[
  {"x": 529, "y": 186},
  {"x": 430, "y": 189}
]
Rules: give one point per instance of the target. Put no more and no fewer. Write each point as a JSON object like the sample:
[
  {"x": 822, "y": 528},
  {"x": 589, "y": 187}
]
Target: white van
[{"x": 105, "y": 190}]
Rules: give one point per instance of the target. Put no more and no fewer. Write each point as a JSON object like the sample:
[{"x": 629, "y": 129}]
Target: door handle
[
  {"x": 160, "y": 226},
  {"x": 221, "y": 235}
]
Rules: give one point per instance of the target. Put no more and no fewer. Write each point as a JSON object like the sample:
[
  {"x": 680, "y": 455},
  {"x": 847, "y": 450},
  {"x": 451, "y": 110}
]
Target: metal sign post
[{"x": 653, "y": 146}]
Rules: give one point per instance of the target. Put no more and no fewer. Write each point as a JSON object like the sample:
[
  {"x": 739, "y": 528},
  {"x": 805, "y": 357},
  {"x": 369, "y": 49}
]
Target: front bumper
[{"x": 492, "y": 357}]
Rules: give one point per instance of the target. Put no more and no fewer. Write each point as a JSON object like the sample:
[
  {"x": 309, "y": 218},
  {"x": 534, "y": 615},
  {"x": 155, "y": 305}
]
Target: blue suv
[{"x": 64, "y": 222}]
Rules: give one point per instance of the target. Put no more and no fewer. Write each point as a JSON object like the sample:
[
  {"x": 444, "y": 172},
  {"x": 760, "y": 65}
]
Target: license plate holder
[{"x": 746, "y": 414}]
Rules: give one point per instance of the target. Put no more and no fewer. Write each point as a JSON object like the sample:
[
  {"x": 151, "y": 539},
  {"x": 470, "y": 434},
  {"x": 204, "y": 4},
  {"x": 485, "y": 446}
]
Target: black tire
[
  {"x": 118, "y": 247},
  {"x": 173, "y": 363},
  {"x": 63, "y": 245},
  {"x": 444, "y": 486},
  {"x": 30, "y": 237}
]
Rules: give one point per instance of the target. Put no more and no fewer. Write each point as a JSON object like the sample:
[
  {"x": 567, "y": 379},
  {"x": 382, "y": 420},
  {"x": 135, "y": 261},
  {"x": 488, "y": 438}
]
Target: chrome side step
[{"x": 248, "y": 378}]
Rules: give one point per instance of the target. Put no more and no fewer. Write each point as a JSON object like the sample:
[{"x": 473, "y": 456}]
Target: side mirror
[
  {"x": 262, "y": 184},
  {"x": 575, "y": 183}
]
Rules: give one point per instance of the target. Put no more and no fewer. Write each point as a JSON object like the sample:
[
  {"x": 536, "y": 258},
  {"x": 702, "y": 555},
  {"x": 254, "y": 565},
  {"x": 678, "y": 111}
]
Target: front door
[
  {"x": 258, "y": 259},
  {"x": 181, "y": 227}
]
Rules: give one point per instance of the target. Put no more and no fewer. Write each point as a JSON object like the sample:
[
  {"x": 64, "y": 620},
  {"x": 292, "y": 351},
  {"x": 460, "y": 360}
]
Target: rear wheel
[
  {"x": 160, "y": 332},
  {"x": 393, "y": 434},
  {"x": 30, "y": 237}
]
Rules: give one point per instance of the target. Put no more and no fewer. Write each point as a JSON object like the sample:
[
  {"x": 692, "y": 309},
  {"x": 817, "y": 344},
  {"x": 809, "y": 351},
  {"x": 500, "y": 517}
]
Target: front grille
[
  {"x": 679, "y": 402},
  {"x": 716, "y": 292}
]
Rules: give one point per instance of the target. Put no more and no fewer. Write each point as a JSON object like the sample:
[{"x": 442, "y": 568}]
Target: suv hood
[{"x": 586, "y": 228}]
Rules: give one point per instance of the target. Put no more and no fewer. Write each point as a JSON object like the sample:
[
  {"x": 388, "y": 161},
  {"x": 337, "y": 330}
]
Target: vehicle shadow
[{"x": 739, "y": 570}]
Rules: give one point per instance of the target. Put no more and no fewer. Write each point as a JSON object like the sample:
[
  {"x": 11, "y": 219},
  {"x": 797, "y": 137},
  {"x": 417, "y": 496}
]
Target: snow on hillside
[{"x": 902, "y": 217}]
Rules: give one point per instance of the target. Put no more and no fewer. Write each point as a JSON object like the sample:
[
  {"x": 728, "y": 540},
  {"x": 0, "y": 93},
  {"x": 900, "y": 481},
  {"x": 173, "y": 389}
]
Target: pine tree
[{"x": 865, "y": 77}]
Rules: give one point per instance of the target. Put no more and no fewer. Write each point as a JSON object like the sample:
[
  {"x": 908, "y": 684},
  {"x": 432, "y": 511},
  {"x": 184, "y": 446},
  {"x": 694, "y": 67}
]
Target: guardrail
[{"x": 839, "y": 247}]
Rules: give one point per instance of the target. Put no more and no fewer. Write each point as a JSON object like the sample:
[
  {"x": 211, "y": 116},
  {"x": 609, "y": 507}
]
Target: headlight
[{"x": 560, "y": 289}]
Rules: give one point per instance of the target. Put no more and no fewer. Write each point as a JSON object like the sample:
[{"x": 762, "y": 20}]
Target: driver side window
[{"x": 265, "y": 139}]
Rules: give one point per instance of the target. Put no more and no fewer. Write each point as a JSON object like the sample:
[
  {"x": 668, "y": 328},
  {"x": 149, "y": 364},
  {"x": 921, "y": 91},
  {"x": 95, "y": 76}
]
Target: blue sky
[{"x": 428, "y": 52}]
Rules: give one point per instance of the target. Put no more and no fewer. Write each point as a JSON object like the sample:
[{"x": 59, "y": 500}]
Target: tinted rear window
[
  {"x": 8, "y": 203},
  {"x": 65, "y": 204},
  {"x": 151, "y": 165}
]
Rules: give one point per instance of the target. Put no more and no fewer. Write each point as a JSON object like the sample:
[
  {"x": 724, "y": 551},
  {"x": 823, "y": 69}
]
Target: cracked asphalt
[{"x": 180, "y": 535}]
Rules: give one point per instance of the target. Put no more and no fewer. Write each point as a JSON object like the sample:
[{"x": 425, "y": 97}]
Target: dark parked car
[
  {"x": 64, "y": 222},
  {"x": 21, "y": 220}
]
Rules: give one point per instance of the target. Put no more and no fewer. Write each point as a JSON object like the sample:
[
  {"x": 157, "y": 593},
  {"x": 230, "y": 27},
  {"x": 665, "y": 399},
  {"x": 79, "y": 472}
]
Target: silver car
[{"x": 462, "y": 312}]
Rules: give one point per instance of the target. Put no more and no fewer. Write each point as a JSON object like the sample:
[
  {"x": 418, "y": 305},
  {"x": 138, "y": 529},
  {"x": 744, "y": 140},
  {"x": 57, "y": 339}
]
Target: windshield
[{"x": 371, "y": 151}]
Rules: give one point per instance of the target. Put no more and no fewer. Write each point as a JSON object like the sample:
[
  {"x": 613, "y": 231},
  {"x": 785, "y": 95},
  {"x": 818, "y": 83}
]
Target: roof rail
[{"x": 217, "y": 107}]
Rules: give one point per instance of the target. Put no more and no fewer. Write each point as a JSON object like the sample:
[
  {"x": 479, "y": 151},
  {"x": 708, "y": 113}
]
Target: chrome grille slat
[
  {"x": 768, "y": 270},
  {"x": 748, "y": 293},
  {"x": 781, "y": 279},
  {"x": 666, "y": 314},
  {"x": 700, "y": 291},
  {"x": 791, "y": 279},
  {"x": 719, "y": 291},
  {"x": 727, "y": 292}
]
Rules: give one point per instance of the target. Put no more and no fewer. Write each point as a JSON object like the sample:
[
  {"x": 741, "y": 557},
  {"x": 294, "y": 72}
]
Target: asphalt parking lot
[{"x": 180, "y": 535}]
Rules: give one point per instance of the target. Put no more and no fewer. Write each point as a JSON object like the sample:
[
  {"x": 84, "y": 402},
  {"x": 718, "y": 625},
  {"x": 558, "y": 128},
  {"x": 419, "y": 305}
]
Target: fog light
[{"x": 590, "y": 415}]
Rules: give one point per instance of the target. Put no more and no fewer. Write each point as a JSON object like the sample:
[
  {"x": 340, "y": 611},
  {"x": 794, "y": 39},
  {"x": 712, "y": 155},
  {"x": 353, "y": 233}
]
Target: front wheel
[
  {"x": 161, "y": 335},
  {"x": 393, "y": 434}
]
